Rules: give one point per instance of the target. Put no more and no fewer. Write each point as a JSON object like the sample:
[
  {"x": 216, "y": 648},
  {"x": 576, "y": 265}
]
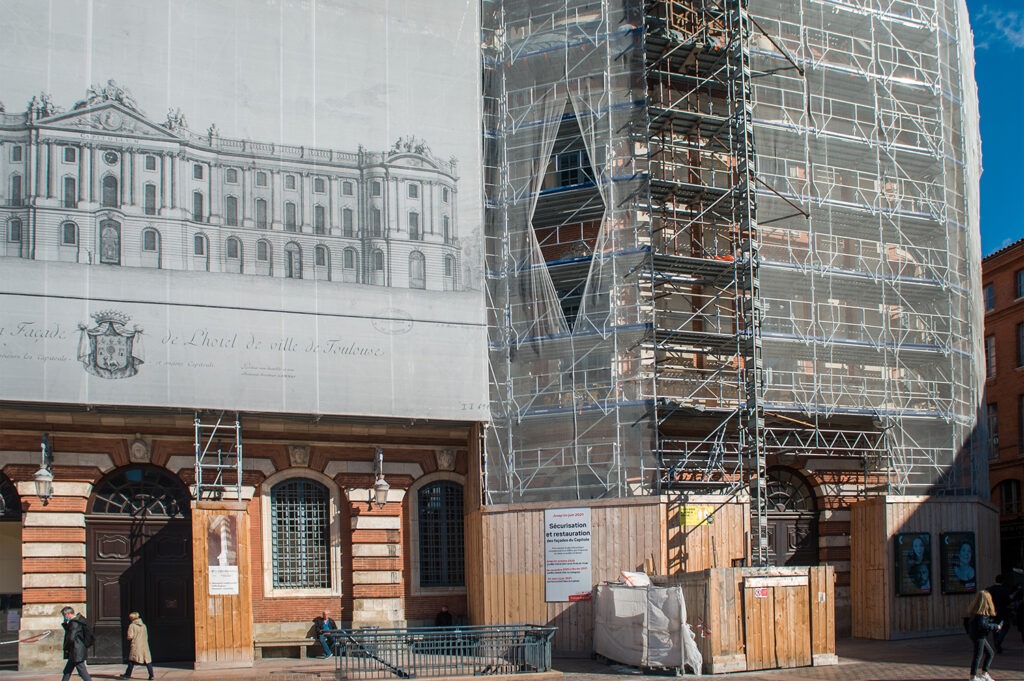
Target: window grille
[
  {"x": 300, "y": 537},
  {"x": 442, "y": 546}
]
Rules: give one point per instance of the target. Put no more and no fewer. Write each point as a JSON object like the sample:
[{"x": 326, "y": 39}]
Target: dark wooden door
[
  {"x": 792, "y": 539},
  {"x": 143, "y": 566}
]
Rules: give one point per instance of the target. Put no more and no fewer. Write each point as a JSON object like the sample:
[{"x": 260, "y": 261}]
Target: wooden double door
[{"x": 143, "y": 566}]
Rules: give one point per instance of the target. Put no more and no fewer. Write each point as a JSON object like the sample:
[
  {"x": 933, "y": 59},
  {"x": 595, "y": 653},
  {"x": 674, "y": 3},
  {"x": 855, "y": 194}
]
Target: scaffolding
[
  {"x": 721, "y": 232},
  {"x": 218, "y": 466}
]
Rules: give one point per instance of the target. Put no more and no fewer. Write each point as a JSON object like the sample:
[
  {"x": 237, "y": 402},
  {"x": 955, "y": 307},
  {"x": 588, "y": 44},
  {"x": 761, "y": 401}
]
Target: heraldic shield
[{"x": 110, "y": 349}]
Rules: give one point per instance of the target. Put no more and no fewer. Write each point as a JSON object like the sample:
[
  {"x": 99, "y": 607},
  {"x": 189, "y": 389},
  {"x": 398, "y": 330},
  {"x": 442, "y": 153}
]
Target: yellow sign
[{"x": 692, "y": 516}]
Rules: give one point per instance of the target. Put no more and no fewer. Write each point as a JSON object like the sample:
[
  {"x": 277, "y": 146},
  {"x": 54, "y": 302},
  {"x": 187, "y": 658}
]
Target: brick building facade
[{"x": 1003, "y": 286}]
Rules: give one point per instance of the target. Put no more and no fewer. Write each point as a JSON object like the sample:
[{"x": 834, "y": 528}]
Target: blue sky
[{"x": 999, "y": 52}]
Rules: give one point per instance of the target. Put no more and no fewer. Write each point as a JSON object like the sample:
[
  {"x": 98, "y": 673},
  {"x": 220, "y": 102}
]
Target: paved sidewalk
[{"x": 943, "y": 658}]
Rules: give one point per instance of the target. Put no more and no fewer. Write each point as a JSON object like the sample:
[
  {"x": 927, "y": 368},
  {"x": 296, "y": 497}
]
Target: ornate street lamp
[
  {"x": 381, "y": 486},
  {"x": 43, "y": 477}
]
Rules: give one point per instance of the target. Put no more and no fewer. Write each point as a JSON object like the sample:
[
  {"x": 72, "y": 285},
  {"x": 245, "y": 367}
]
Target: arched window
[
  {"x": 450, "y": 280},
  {"x": 319, "y": 186},
  {"x": 68, "y": 234},
  {"x": 417, "y": 270},
  {"x": 289, "y": 216},
  {"x": 109, "y": 197},
  {"x": 321, "y": 256},
  {"x": 231, "y": 176},
  {"x": 319, "y": 219},
  {"x": 110, "y": 242},
  {"x": 198, "y": 212},
  {"x": 261, "y": 213},
  {"x": 1009, "y": 497},
  {"x": 231, "y": 211},
  {"x": 70, "y": 192},
  {"x": 414, "y": 227},
  {"x": 349, "y": 264},
  {"x": 142, "y": 492},
  {"x": 199, "y": 245},
  {"x": 16, "y": 197},
  {"x": 262, "y": 251},
  {"x": 375, "y": 222},
  {"x": 261, "y": 178},
  {"x": 300, "y": 534},
  {"x": 378, "y": 260},
  {"x": 346, "y": 222},
  {"x": 149, "y": 198},
  {"x": 150, "y": 241},
  {"x": 441, "y": 535},
  {"x": 292, "y": 260},
  {"x": 14, "y": 230},
  {"x": 233, "y": 248}
]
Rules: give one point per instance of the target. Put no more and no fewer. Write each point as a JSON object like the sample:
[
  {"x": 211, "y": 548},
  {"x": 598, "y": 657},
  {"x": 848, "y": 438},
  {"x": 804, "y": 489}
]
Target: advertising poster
[
  {"x": 264, "y": 206},
  {"x": 567, "y": 555},
  {"x": 221, "y": 534},
  {"x": 913, "y": 564},
  {"x": 958, "y": 567}
]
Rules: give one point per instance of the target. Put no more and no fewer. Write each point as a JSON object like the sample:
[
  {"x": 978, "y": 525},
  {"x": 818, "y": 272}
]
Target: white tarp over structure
[{"x": 644, "y": 627}]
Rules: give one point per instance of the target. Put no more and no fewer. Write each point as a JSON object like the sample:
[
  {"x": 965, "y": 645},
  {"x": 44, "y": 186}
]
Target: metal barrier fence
[{"x": 372, "y": 653}]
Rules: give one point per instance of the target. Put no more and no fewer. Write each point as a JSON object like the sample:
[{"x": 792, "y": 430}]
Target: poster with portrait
[
  {"x": 957, "y": 551},
  {"x": 913, "y": 564}
]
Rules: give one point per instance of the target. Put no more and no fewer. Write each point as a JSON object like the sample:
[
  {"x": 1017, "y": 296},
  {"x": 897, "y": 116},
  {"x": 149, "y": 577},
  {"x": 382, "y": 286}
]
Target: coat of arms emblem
[{"x": 110, "y": 349}]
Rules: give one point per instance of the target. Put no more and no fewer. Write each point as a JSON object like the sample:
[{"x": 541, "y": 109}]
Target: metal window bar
[
  {"x": 442, "y": 542},
  {"x": 299, "y": 522},
  {"x": 372, "y": 653}
]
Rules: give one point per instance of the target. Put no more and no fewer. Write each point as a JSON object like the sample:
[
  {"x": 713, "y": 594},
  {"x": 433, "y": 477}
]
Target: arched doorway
[
  {"x": 139, "y": 557},
  {"x": 792, "y": 519}
]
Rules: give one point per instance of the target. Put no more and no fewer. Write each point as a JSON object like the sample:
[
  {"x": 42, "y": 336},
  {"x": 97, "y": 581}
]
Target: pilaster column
[
  {"x": 83, "y": 172},
  {"x": 378, "y": 584},
  {"x": 51, "y": 170},
  {"x": 165, "y": 181},
  {"x": 94, "y": 175},
  {"x": 53, "y": 566}
]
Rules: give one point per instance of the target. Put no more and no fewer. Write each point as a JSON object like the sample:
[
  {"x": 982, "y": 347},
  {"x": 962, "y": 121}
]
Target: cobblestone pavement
[{"x": 924, "y": 659}]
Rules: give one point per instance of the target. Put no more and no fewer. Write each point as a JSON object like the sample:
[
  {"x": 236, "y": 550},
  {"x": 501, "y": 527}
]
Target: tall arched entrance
[
  {"x": 139, "y": 558},
  {"x": 10, "y": 571},
  {"x": 792, "y": 519}
]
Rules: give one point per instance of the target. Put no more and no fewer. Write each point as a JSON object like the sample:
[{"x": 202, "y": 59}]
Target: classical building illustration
[{"x": 102, "y": 184}]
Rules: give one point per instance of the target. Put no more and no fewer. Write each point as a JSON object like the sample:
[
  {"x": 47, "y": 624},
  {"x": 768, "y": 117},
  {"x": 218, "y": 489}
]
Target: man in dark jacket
[
  {"x": 75, "y": 644},
  {"x": 322, "y": 624}
]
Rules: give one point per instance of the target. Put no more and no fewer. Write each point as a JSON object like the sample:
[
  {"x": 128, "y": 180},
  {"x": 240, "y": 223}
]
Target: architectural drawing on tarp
[
  {"x": 722, "y": 234},
  {"x": 102, "y": 184}
]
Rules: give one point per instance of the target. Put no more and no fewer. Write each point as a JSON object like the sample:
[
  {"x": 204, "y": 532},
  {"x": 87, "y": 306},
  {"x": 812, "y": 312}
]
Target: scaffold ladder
[{"x": 218, "y": 468}]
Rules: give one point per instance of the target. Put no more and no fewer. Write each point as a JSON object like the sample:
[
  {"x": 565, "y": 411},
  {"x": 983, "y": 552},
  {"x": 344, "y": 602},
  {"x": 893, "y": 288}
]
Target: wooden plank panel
[{"x": 760, "y": 621}]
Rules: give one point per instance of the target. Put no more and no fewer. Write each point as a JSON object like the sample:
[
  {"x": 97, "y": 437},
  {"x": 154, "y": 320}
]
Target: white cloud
[{"x": 997, "y": 27}]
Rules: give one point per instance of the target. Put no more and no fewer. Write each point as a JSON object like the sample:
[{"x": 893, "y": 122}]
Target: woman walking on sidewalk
[
  {"x": 138, "y": 652},
  {"x": 981, "y": 622}
]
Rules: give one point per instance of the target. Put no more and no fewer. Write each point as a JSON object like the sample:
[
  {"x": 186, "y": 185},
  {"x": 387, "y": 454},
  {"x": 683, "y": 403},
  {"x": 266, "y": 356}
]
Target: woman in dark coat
[{"x": 982, "y": 621}]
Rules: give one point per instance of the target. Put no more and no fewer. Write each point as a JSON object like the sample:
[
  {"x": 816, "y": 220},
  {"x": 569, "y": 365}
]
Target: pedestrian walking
[
  {"x": 77, "y": 639},
  {"x": 1002, "y": 597},
  {"x": 138, "y": 646},
  {"x": 982, "y": 621}
]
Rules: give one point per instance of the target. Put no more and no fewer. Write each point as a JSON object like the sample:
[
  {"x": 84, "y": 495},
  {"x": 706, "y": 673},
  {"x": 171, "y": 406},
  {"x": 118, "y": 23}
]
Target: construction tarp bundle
[{"x": 644, "y": 627}]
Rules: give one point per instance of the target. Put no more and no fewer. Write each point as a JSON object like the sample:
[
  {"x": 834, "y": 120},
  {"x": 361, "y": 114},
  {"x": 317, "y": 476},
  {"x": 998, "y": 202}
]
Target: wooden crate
[
  {"x": 761, "y": 618},
  {"x": 878, "y": 612}
]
